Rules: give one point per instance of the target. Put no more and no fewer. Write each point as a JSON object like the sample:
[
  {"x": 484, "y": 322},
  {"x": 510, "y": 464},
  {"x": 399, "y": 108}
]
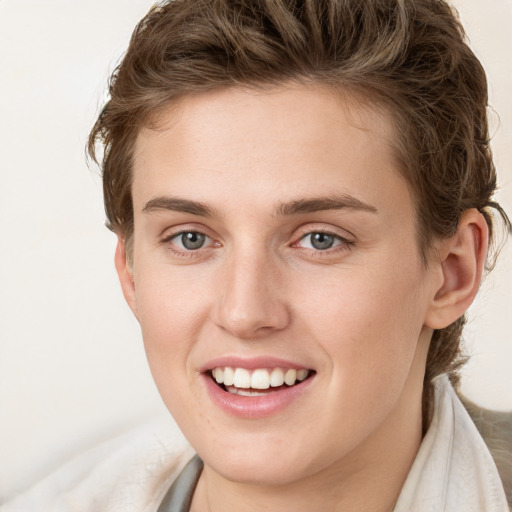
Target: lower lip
[{"x": 255, "y": 406}]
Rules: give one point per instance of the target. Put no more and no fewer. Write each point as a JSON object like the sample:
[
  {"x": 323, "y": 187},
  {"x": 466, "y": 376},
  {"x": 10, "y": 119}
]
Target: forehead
[
  {"x": 314, "y": 111},
  {"x": 287, "y": 141}
]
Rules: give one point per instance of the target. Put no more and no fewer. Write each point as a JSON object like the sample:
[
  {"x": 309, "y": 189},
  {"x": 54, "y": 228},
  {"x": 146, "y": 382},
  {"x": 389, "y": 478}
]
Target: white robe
[{"x": 453, "y": 470}]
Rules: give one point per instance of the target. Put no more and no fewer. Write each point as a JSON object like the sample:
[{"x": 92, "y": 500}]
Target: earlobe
[
  {"x": 462, "y": 260},
  {"x": 125, "y": 274}
]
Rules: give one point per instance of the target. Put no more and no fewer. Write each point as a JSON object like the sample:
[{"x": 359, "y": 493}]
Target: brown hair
[{"x": 408, "y": 55}]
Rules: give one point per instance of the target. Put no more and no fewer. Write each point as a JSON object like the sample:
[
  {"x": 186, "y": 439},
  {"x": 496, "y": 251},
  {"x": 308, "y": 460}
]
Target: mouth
[{"x": 258, "y": 382}]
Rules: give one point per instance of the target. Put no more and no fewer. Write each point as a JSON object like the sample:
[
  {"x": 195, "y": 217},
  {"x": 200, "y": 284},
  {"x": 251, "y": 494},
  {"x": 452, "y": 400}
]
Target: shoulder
[
  {"x": 495, "y": 427},
  {"x": 453, "y": 469},
  {"x": 129, "y": 473}
]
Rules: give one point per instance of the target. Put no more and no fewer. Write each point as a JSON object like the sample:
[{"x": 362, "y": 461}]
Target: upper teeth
[{"x": 261, "y": 378}]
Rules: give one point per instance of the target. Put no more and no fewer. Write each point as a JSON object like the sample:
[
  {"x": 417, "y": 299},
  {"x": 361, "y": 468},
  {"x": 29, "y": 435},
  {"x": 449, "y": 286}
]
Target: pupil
[
  {"x": 192, "y": 240},
  {"x": 322, "y": 241}
]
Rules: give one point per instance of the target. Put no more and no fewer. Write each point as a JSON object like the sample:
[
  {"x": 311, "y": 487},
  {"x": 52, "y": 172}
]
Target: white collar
[{"x": 453, "y": 470}]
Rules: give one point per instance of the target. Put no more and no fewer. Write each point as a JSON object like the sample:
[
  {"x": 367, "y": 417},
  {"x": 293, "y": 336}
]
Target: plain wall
[{"x": 72, "y": 366}]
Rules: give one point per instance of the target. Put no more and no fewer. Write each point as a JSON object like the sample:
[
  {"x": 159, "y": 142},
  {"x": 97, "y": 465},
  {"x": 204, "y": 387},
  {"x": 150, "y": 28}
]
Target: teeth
[
  {"x": 238, "y": 379},
  {"x": 218, "y": 375},
  {"x": 301, "y": 375},
  {"x": 277, "y": 377},
  {"x": 242, "y": 378},
  {"x": 245, "y": 392},
  {"x": 260, "y": 379},
  {"x": 290, "y": 377},
  {"x": 229, "y": 376}
]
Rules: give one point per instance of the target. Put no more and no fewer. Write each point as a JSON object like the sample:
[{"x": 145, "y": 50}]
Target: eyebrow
[
  {"x": 302, "y": 206},
  {"x": 177, "y": 204},
  {"x": 297, "y": 207}
]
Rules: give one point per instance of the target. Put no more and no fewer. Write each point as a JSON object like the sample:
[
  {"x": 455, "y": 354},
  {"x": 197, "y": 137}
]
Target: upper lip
[{"x": 252, "y": 363}]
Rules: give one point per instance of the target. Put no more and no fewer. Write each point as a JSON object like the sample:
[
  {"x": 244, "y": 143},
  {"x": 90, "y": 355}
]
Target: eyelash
[
  {"x": 184, "y": 252},
  {"x": 340, "y": 243}
]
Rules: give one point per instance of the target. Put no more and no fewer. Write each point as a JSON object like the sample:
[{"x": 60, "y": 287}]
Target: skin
[{"x": 360, "y": 314}]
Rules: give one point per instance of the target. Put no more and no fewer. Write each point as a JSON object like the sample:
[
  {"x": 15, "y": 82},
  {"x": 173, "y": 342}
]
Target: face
[{"x": 275, "y": 251}]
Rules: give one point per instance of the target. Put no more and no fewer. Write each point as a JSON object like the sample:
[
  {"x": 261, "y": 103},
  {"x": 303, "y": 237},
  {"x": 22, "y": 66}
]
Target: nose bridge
[{"x": 252, "y": 301}]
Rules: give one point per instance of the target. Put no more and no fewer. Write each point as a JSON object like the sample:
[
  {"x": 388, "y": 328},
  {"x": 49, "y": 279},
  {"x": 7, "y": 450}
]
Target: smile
[
  {"x": 244, "y": 382},
  {"x": 258, "y": 387}
]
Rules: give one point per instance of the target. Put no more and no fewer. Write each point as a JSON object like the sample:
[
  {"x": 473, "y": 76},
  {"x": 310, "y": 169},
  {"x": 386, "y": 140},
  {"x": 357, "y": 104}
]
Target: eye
[
  {"x": 320, "y": 241},
  {"x": 190, "y": 240}
]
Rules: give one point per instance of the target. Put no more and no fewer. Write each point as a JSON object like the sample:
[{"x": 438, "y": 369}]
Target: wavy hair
[{"x": 410, "y": 56}]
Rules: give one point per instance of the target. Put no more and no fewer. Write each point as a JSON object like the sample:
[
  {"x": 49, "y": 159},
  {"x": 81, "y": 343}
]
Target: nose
[{"x": 251, "y": 301}]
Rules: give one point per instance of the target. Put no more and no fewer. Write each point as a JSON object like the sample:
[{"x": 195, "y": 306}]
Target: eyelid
[
  {"x": 170, "y": 236},
  {"x": 338, "y": 241},
  {"x": 177, "y": 231},
  {"x": 343, "y": 241},
  {"x": 310, "y": 228},
  {"x": 172, "y": 231}
]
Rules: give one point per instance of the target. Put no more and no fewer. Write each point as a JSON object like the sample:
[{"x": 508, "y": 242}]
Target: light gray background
[{"x": 72, "y": 366}]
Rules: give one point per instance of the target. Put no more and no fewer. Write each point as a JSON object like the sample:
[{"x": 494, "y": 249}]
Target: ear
[
  {"x": 125, "y": 274},
  {"x": 462, "y": 260}
]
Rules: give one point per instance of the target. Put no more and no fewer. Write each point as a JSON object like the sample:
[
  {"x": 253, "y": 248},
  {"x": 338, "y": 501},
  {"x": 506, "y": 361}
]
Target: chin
[
  {"x": 258, "y": 471},
  {"x": 273, "y": 460}
]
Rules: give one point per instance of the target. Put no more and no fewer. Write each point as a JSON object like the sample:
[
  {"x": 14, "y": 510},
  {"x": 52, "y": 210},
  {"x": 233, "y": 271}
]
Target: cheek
[
  {"x": 171, "y": 311},
  {"x": 368, "y": 331},
  {"x": 169, "y": 299},
  {"x": 368, "y": 323},
  {"x": 170, "y": 315}
]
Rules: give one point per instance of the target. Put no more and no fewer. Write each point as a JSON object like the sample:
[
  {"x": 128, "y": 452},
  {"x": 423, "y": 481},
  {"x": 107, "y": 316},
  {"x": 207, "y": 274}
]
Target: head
[{"x": 408, "y": 61}]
